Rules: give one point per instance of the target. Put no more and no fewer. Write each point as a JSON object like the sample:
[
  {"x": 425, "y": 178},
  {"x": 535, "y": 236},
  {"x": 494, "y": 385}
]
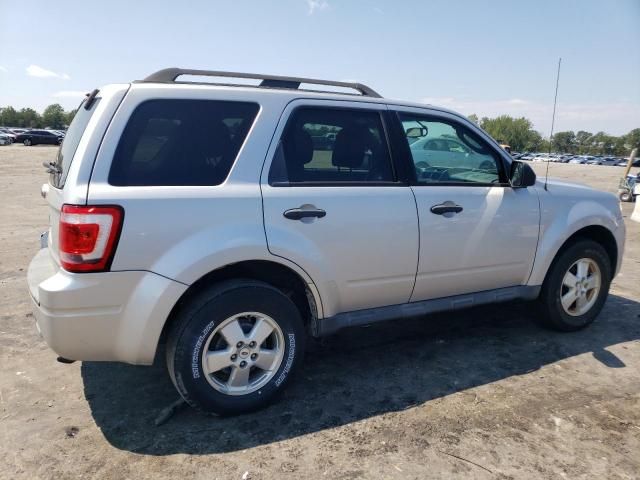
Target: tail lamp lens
[{"x": 88, "y": 237}]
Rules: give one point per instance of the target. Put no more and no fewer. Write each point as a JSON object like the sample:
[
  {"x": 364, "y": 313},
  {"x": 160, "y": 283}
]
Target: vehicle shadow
[{"x": 357, "y": 374}]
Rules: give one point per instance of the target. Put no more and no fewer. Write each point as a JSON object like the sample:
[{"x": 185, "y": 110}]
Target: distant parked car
[
  {"x": 623, "y": 162},
  {"x": 579, "y": 160},
  {"x": 35, "y": 137},
  {"x": 9, "y": 133},
  {"x": 5, "y": 139}
]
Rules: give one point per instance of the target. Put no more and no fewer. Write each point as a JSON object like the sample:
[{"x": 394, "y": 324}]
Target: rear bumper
[{"x": 114, "y": 316}]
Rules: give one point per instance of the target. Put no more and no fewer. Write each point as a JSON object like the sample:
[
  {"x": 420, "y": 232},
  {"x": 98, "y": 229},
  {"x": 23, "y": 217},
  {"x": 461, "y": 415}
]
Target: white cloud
[
  {"x": 36, "y": 71},
  {"x": 614, "y": 118},
  {"x": 3, "y": 69},
  {"x": 70, "y": 94},
  {"x": 316, "y": 6}
]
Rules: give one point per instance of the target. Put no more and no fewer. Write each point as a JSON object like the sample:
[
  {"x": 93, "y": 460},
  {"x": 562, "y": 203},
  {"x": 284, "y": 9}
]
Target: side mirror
[
  {"x": 521, "y": 175},
  {"x": 416, "y": 132}
]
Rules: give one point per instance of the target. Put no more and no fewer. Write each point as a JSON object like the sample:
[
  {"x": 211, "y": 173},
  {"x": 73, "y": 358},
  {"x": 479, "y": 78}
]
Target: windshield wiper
[{"x": 52, "y": 168}]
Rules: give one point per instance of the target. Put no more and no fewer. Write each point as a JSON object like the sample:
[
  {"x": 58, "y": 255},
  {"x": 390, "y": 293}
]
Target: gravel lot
[{"x": 482, "y": 394}]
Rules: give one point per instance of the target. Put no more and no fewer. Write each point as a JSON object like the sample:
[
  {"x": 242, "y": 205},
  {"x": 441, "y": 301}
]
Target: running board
[{"x": 327, "y": 326}]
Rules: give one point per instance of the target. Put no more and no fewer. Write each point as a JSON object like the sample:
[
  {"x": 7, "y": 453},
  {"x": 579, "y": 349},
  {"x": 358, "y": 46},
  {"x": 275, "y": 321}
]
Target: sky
[{"x": 473, "y": 56}]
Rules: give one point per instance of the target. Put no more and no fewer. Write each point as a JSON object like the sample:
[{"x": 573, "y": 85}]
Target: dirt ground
[{"x": 479, "y": 394}]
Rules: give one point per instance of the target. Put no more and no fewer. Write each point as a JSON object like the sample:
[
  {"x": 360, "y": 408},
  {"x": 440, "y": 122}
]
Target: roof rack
[{"x": 169, "y": 75}]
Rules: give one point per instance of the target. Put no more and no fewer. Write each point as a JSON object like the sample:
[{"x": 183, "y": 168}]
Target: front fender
[{"x": 562, "y": 216}]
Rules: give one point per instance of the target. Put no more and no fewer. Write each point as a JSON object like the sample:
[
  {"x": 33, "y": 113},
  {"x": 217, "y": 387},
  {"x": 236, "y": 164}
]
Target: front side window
[
  {"x": 181, "y": 142},
  {"x": 332, "y": 146},
  {"x": 447, "y": 152}
]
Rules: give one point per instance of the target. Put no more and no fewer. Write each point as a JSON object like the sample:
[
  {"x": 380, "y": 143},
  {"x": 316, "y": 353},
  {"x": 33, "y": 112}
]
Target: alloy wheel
[
  {"x": 243, "y": 353},
  {"x": 580, "y": 287}
]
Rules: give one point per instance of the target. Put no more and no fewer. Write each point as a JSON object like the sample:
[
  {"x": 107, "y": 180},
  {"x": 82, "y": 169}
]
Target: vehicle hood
[{"x": 568, "y": 193}]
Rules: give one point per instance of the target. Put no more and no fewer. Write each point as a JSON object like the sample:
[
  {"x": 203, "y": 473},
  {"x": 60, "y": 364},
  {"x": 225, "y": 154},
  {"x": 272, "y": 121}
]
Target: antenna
[{"x": 553, "y": 120}]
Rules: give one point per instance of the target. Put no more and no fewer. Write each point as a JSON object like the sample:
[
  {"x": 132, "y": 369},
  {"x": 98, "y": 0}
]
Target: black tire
[
  {"x": 201, "y": 315},
  {"x": 552, "y": 313},
  {"x": 27, "y": 142},
  {"x": 626, "y": 197}
]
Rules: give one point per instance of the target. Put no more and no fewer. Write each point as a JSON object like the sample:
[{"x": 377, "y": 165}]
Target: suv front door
[
  {"x": 333, "y": 205},
  {"x": 477, "y": 233}
]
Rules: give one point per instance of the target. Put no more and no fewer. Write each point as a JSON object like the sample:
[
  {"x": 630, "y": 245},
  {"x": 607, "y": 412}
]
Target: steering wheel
[{"x": 487, "y": 165}]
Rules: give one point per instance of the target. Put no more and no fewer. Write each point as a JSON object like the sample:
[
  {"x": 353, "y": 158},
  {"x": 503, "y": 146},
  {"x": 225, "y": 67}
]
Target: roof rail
[{"x": 169, "y": 75}]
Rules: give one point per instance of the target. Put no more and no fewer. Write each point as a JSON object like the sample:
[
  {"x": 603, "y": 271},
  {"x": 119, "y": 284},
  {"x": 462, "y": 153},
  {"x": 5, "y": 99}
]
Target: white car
[
  {"x": 5, "y": 139},
  {"x": 203, "y": 215}
]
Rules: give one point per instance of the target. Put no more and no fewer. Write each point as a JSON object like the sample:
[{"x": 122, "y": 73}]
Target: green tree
[
  {"x": 474, "y": 118},
  {"x": 29, "y": 118},
  {"x": 584, "y": 141},
  {"x": 9, "y": 117},
  {"x": 68, "y": 116},
  {"x": 54, "y": 116},
  {"x": 535, "y": 142},
  {"x": 517, "y": 132},
  {"x": 603, "y": 144},
  {"x": 564, "y": 142},
  {"x": 632, "y": 140}
]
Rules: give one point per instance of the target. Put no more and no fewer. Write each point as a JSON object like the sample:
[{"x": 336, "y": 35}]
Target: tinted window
[
  {"x": 181, "y": 142},
  {"x": 335, "y": 146},
  {"x": 71, "y": 140},
  {"x": 447, "y": 152}
]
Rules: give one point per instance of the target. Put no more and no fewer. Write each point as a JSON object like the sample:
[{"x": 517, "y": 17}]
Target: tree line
[
  {"x": 54, "y": 116},
  {"x": 520, "y": 135}
]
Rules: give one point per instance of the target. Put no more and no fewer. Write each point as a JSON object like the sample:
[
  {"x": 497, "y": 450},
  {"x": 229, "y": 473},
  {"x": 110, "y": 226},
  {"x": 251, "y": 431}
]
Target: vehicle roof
[{"x": 292, "y": 94}]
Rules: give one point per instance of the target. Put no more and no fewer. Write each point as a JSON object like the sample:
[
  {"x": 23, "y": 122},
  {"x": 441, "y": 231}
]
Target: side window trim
[
  {"x": 433, "y": 115},
  {"x": 385, "y": 119}
]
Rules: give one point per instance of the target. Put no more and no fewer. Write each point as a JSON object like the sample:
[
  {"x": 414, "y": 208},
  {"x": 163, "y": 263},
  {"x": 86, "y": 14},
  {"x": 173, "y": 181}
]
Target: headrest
[
  {"x": 298, "y": 147},
  {"x": 351, "y": 146}
]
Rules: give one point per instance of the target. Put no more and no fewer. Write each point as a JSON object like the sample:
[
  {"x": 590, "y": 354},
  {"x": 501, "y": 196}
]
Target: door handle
[
  {"x": 446, "y": 207},
  {"x": 300, "y": 213}
]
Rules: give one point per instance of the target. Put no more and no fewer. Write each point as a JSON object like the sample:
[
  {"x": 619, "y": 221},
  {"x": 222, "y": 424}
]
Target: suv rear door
[{"x": 333, "y": 204}]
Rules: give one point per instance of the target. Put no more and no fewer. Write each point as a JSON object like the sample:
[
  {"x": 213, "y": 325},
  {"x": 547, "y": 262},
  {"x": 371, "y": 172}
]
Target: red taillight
[{"x": 88, "y": 237}]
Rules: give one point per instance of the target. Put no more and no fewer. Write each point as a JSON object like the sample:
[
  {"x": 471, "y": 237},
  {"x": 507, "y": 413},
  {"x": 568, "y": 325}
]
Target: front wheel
[
  {"x": 234, "y": 347},
  {"x": 576, "y": 287},
  {"x": 625, "y": 196}
]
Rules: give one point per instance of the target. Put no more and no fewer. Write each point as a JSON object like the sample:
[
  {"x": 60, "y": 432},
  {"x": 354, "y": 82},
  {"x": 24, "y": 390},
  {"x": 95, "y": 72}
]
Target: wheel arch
[
  {"x": 282, "y": 277},
  {"x": 597, "y": 233}
]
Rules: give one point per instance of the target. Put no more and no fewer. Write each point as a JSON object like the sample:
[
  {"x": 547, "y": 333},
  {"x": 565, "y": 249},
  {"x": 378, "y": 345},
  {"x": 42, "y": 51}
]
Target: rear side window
[
  {"x": 181, "y": 142},
  {"x": 331, "y": 146},
  {"x": 71, "y": 141}
]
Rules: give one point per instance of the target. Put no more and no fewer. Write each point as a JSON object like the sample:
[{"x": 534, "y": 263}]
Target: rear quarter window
[{"x": 181, "y": 142}]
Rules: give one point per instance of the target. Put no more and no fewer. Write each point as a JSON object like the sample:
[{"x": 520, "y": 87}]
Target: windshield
[{"x": 70, "y": 143}]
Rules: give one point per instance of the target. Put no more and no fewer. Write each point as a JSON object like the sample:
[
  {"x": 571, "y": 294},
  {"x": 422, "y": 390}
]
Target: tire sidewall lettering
[
  {"x": 195, "y": 354},
  {"x": 291, "y": 337}
]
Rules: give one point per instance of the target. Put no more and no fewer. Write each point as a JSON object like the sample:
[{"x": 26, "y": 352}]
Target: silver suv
[{"x": 233, "y": 221}]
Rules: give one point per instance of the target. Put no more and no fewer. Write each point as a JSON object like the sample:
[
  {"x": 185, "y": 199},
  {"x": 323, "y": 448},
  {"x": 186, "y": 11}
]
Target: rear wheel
[
  {"x": 576, "y": 287},
  {"x": 234, "y": 347},
  {"x": 27, "y": 142}
]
